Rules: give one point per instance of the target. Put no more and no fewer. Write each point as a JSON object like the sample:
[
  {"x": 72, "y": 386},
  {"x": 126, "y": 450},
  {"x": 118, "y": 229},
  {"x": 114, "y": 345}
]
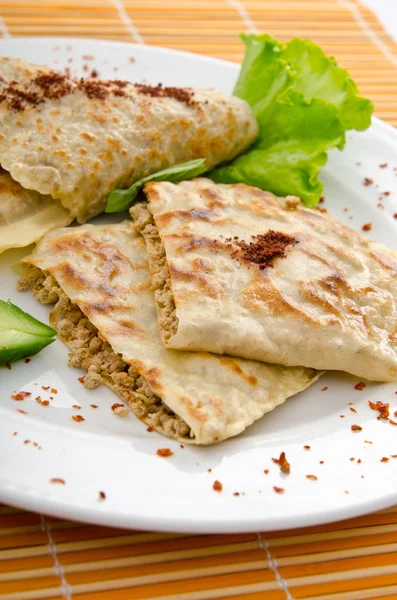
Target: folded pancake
[
  {"x": 76, "y": 140},
  {"x": 98, "y": 278},
  {"x": 237, "y": 271},
  {"x": 25, "y": 215}
]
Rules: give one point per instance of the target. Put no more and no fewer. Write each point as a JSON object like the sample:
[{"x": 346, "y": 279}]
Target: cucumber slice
[{"x": 21, "y": 334}]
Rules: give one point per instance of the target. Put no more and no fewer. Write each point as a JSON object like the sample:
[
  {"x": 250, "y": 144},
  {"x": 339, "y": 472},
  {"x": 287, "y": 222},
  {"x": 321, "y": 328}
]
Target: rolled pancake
[
  {"x": 76, "y": 140},
  {"x": 99, "y": 279},
  {"x": 307, "y": 291},
  {"x": 25, "y": 215}
]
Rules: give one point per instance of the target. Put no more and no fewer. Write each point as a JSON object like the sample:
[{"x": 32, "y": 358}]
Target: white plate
[{"x": 118, "y": 456}]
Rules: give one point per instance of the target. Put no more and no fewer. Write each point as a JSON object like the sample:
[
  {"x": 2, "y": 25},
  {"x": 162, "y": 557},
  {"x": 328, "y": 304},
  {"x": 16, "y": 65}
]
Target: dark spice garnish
[
  {"x": 356, "y": 428},
  {"x": 312, "y": 477},
  {"x": 263, "y": 249},
  {"x": 102, "y": 495},
  {"x": 360, "y": 386},
  {"x": 57, "y": 480},
  {"x": 21, "y": 396},
  {"x": 181, "y": 94},
  {"x": 383, "y": 165},
  {"x": 278, "y": 490},
  {"x": 367, "y": 227},
  {"x": 283, "y": 463},
  {"x": 368, "y": 181}
]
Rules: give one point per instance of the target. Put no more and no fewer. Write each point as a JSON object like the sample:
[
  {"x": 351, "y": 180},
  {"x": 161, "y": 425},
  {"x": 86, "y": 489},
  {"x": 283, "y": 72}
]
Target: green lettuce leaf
[
  {"x": 304, "y": 104},
  {"x": 119, "y": 200}
]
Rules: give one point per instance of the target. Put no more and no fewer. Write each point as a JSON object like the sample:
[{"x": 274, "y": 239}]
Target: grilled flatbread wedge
[
  {"x": 237, "y": 271},
  {"x": 25, "y": 216},
  {"x": 98, "y": 278},
  {"x": 77, "y": 140}
]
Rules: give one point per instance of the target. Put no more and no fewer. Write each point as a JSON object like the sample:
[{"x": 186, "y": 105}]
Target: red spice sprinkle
[
  {"x": 356, "y": 428},
  {"x": 209, "y": 470},
  {"x": 78, "y": 418},
  {"x": 81, "y": 379},
  {"x": 45, "y": 387},
  {"x": 392, "y": 422},
  {"x": 263, "y": 249},
  {"x": 359, "y": 461},
  {"x": 306, "y": 447},
  {"x": 368, "y": 181},
  {"x": 26, "y": 442},
  {"x": 164, "y": 452},
  {"x": 21, "y": 396},
  {"x": 324, "y": 389},
  {"x": 57, "y": 480},
  {"x": 367, "y": 227},
  {"x": 94, "y": 73},
  {"x": 9, "y": 367},
  {"x": 278, "y": 490},
  {"x": 117, "y": 405},
  {"x": 132, "y": 59},
  {"x": 367, "y": 442},
  {"x": 149, "y": 429},
  {"x": 322, "y": 210},
  {"x": 23, "y": 412},
  {"x": 347, "y": 492},
  {"x": 381, "y": 407},
  {"x": 352, "y": 459},
  {"x": 283, "y": 463},
  {"x": 312, "y": 477},
  {"x": 394, "y": 455},
  {"x": 42, "y": 402},
  {"x": 236, "y": 494},
  {"x": 27, "y": 360},
  {"x": 360, "y": 386},
  {"x": 342, "y": 416},
  {"x": 352, "y": 409},
  {"x": 217, "y": 486},
  {"x": 321, "y": 462},
  {"x": 102, "y": 495},
  {"x": 266, "y": 471},
  {"x": 386, "y": 193},
  {"x": 395, "y": 413},
  {"x": 395, "y": 216},
  {"x": 76, "y": 406},
  {"x": 383, "y": 165},
  {"x": 384, "y": 459},
  {"x": 54, "y": 391},
  {"x": 94, "y": 405},
  {"x": 15, "y": 433},
  {"x": 181, "y": 446},
  {"x": 322, "y": 199}
]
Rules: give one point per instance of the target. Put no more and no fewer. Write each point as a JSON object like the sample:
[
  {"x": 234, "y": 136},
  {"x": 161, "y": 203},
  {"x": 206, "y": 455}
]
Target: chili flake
[
  {"x": 21, "y": 396},
  {"x": 356, "y": 428},
  {"x": 45, "y": 387},
  {"x": 263, "y": 249},
  {"x": 57, "y": 480},
  {"x": 392, "y": 422},
  {"x": 383, "y": 165},
  {"x": 102, "y": 495},
  {"x": 312, "y": 477},
  {"x": 81, "y": 379},
  {"x": 9, "y": 367},
  {"x": 164, "y": 452},
  {"x": 283, "y": 463},
  {"x": 78, "y": 418},
  {"x": 368, "y": 181},
  {"x": 42, "y": 402},
  {"x": 217, "y": 486},
  {"x": 324, "y": 389},
  {"x": 352, "y": 409},
  {"x": 381, "y": 407},
  {"x": 94, "y": 405},
  {"x": 367, "y": 227},
  {"x": 236, "y": 494},
  {"x": 360, "y": 386},
  {"x": 384, "y": 459},
  {"x": 27, "y": 360},
  {"x": 149, "y": 429},
  {"x": 266, "y": 471},
  {"x": 278, "y": 490},
  {"x": 306, "y": 447}
]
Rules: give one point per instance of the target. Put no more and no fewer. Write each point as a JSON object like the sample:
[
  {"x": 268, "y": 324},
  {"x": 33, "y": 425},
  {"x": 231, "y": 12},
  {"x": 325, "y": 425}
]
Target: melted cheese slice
[{"x": 25, "y": 215}]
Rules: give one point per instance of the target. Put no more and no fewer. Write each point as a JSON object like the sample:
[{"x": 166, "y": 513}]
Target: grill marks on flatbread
[
  {"x": 99, "y": 279},
  {"x": 329, "y": 301},
  {"x": 77, "y": 140}
]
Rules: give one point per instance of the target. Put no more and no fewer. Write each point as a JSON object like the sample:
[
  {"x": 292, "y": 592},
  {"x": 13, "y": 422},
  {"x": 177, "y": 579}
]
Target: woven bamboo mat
[{"x": 46, "y": 558}]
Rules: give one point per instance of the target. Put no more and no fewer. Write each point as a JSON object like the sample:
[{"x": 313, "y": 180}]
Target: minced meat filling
[
  {"x": 90, "y": 352},
  {"x": 161, "y": 279}
]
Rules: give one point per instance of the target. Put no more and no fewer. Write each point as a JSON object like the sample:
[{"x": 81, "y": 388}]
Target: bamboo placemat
[{"x": 47, "y": 558}]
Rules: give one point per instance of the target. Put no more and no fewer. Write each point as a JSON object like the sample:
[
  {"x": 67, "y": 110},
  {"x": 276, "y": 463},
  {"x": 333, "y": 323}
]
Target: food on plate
[
  {"x": 119, "y": 199},
  {"x": 76, "y": 140},
  {"x": 304, "y": 103},
  {"x": 21, "y": 334},
  {"x": 236, "y": 270},
  {"x": 98, "y": 279},
  {"x": 25, "y": 215}
]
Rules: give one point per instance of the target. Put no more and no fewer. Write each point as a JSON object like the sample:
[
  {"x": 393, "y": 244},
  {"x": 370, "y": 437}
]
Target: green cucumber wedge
[{"x": 21, "y": 334}]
